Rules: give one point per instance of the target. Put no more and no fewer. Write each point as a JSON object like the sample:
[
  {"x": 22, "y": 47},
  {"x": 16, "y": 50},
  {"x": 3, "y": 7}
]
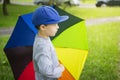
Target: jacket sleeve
[{"x": 45, "y": 64}]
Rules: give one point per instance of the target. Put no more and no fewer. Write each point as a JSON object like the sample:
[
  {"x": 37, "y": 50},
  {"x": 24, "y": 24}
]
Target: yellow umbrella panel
[{"x": 72, "y": 49}]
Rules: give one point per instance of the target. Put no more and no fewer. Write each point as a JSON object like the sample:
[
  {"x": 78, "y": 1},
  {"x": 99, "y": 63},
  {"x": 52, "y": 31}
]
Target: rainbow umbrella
[{"x": 70, "y": 43}]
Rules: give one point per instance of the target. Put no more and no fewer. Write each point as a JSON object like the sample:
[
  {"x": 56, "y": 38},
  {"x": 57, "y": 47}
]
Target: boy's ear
[{"x": 42, "y": 27}]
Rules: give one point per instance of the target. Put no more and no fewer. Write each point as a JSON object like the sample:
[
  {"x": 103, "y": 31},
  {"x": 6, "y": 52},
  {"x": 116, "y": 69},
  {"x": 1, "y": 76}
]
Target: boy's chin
[{"x": 52, "y": 35}]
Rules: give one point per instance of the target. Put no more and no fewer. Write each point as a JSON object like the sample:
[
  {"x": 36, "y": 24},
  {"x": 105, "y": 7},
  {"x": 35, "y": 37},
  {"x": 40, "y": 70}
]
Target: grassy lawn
[
  {"x": 89, "y": 1},
  {"x": 102, "y": 60},
  {"x": 5, "y": 69},
  {"x": 14, "y": 12},
  {"x": 90, "y": 13},
  {"x": 85, "y": 13},
  {"x": 103, "y": 57},
  {"x": 22, "y": 0}
]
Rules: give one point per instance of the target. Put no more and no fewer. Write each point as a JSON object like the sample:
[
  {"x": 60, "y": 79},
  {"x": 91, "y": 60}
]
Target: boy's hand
[{"x": 62, "y": 67}]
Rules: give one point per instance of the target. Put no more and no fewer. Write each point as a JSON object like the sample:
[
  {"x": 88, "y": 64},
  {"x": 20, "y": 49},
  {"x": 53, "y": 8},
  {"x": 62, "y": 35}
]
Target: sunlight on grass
[
  {"x": 22, "y": 0},
  {"x": 90, "y": 13},
  {"x": 103, "y": 57},
  {"x": 88, "y": 1}
]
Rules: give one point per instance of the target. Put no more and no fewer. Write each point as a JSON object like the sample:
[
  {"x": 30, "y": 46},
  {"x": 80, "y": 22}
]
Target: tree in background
[
  {"x": 5, "y": 12},
  {"x": 5, "y": 2},
  {"x": 8, "y": 1}
]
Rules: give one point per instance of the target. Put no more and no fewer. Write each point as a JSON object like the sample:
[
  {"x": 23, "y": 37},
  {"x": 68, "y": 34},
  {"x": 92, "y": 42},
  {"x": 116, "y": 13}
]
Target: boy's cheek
[
  {"x": 53, "y": 34},
  {"x": 50, "y": 33}
]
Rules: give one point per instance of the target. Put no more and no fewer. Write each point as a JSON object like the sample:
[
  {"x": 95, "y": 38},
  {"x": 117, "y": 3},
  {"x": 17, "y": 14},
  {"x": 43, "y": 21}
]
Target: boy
[{"x": 45, "y": 61}]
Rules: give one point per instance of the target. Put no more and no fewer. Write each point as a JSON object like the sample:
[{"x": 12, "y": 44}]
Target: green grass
[
  {"x": 21, "y": 0},
  {"x": 5, "y": 69},
  {"x": 89, "y": 1},
  {"x": 103, "y": 57},
  {"x": 90, "y": 13},
  {"x": 85, "y": 13},
  {"x": 14, "y": 12},
  {"x": 102, "y": 60}
]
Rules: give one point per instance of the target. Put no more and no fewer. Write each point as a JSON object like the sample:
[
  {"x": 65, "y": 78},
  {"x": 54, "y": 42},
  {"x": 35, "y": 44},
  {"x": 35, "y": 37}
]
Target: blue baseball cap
[{"x": 47, "y": 15}]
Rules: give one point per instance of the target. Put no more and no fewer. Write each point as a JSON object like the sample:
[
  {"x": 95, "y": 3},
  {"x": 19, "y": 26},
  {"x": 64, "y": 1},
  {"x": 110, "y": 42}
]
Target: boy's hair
[{"x": 37, "y": 27}]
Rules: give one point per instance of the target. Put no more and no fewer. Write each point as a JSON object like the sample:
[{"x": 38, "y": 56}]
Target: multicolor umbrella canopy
[{"x": 70, "y": 43}]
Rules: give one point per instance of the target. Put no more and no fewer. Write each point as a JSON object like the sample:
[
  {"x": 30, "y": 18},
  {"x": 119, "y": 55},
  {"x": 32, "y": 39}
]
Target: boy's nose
[{"x": 57, "y": 26}]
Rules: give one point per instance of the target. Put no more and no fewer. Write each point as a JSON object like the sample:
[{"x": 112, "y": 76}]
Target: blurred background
[{"x": 102, "y": 19}]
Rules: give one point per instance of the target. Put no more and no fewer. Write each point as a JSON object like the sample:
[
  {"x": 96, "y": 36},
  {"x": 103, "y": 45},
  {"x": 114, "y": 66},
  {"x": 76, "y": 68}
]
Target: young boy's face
[{"x": 51, "y": 29}]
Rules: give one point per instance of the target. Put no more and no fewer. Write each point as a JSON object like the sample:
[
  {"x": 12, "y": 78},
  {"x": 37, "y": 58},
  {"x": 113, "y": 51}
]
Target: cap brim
[{"x": 63, "y": 18}]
